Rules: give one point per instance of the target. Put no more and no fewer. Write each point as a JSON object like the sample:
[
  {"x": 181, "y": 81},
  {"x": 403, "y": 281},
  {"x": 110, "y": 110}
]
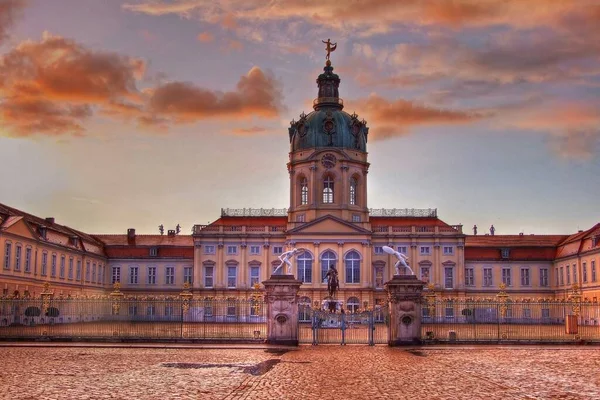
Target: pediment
[
  {"x": 19, "y": 227},
  {"x": 329, "y": 225}
]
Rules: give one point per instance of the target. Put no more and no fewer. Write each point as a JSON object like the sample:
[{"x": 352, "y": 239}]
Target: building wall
[{"x": 134, "y": 275}]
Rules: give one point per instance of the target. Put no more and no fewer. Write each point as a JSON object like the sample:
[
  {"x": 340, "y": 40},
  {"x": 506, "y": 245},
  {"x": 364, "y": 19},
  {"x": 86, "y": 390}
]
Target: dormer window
[
  {"x": 595, "y": 241},
  {"x": 505, "y": 253},
  {"x": 73, "y": 240},
  {"x": 153, "y": 251},
  {"x": 43, "y": 231}
]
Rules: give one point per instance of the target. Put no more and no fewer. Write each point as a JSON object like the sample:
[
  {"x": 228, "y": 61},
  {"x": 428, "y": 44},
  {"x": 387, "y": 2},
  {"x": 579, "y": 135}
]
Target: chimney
[
  {"x": 130, "y": 233},
  {"x": 171, "y": 232},
  {"x": 50, "y": 220},
  {"x": 579, "y": 231}
]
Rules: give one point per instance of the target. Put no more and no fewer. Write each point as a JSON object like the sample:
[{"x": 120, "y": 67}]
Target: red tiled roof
[
  {"x": 147, "y": 240},
  {"x": 514, "y": 240},
  {"x": 407, "y": 221}
]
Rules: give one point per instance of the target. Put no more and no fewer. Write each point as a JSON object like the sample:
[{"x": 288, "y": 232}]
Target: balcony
[
  {"x": 209, "y": 230},
  {"x": 254, "y": 212},
  {"x": 404, "y": 212},
  {"x": 417, "y": 230}
]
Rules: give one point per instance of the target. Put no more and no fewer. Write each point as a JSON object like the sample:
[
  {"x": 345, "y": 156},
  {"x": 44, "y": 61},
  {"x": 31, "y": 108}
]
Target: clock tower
[{"x": 328, "y": 159}]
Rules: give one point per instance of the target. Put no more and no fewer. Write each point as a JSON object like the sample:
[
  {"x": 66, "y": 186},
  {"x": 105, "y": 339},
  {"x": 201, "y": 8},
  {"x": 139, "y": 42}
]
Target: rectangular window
[
  {"x": 448, "y": 278},
  {"x": 100, "y": 273},
  {"x": 574, "y": 273},
  {"x": 449, "y": 312},
  {"x": 44, "y": 264},
  {"x": 78, "y": 271},
  {"x": 151, "y": 275},
  {"x": 254, "y": 250},
  {"x": 53, "y": 266},
  {"x": 150, "y": 311},
  {"x": 525, "y": 281},
  {"x": 277, "y": 250},
  {"x": 132, "y": 310},
  {"x": 231, "y": 277},
  {"x": 568, "y": 269},
  {"x": 254, "y": 275},
  {"x": 133, "y": 275},
  {"x": 487, "y": 277},
  {"x": 378, "y": 249},
  {"x": 300, "y": 218},
  {"x": 62, "y": 267},
  {"x": 70, "y": 272},
  {"x": 545, "y": 313},
  {"x": 28, "y": 259},
  {"x": 355, "y": 217},
  {"x": 17, "y": 258},
  {"x": 425, "y": 274},
  {"x": 505, "y": 253},
  {"x": 544, "y": 277},
  {"x": 584, "y": 272},
  {"x": 425, "y": 250},
  {"x": 507, "y": 276},
  {"x": 168, "y": 311},
  {"x": 116, "y": 274},
  {"x": 556, "y": 274},
  {"x": 527, "y": 313},
  {"x": 402, "y": 249},
  {"x": 448, "y": 250},
  {"x": 562, "y": 276},
  {"x": 187, "y": 275},
  {"x": 170, "y": 275},
  {"x": 7, "y": 250},
  {"x": 593, "y": 267},
  {"x": 231, "y": 250},
  {"x": 209, "y": 276},
  {"x": 87, "y": 271},
  {"x": 153, "y": 251},
  {"x": 93, "y": 272},
  {"x": 469, "y": 277},
  {"x": 209, "y": 249}
]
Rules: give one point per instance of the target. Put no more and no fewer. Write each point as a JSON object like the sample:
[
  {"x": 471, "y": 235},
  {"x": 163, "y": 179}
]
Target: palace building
[{"x": 329, "y": 218}]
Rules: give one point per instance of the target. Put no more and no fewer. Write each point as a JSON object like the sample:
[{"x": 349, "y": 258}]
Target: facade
[{"x": 328, "y": 217}]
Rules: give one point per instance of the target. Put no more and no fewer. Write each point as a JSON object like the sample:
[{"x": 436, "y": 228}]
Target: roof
[
  {"x": 250, "y": 221},
  {"x": 407, "y": 221},
  {"x": 514, "y": 240},
  {"x": 580, "y": 242},
  {"x": 147, "y": 240}
]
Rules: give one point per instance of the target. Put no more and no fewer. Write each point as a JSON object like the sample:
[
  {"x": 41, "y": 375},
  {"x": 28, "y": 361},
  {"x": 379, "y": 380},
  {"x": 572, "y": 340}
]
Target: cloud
[
  {"x": 256, "y": 94},
  {"x": 9, "y": 11},
  {"x": 250, "y": 131},
  {"x": 391, "y": 118},
  {"x": 205, "y": 37},
  {"x": 55, "y": 85},
  {"x": 235, "y": 45}
]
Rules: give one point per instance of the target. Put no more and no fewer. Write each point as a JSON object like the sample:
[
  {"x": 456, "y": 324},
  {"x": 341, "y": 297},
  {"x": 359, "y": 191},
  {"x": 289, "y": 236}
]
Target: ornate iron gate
[{"x": 361, "y": 327}]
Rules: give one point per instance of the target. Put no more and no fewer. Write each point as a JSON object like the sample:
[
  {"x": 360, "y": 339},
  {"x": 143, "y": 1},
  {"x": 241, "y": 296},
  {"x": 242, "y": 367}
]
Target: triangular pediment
[
  {"x": 18, "y": 226},
  {"x": 329, "y": 224}
]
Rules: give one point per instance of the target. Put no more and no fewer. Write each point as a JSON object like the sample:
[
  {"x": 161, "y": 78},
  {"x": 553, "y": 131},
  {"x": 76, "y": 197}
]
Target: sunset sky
[{"x": 132, "y": 113}]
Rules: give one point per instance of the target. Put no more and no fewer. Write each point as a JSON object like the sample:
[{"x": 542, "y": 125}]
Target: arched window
[
  {"x": 304, "y": 309},
  {"x": 328, "y": 190},
  {"x": 353, "y": 304},
  {"x": 304, "y": 191},
  {"x": 353, "y": 184},
  {"x": 352, "y": 267},
  {"x": 327, "y": 258},
  {"x": 305, "y": 262}
]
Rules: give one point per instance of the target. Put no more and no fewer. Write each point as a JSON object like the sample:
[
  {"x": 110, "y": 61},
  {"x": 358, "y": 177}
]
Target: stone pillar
[
  {"x": 281, "y": 297},
  {"x": 404, "y": 296}
]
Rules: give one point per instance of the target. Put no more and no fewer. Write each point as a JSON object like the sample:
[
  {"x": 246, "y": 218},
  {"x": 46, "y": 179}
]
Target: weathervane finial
[{"x": 330, "y": 48}]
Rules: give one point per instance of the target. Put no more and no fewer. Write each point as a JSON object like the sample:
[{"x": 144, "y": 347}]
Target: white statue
[
  {"x": 285, "y": 259},
  {"x": 401, "y": 260}
]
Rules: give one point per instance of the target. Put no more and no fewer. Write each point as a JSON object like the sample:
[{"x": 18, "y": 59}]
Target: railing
[
  {"x": 497, "y": 321},
  {"x": 228, "y": 229},
  {"x": 254, "y": 212},
  {"x": 403, "y": 212},
  {"x": 139, "y": 318},
  {"x": 403, "y": 229}
]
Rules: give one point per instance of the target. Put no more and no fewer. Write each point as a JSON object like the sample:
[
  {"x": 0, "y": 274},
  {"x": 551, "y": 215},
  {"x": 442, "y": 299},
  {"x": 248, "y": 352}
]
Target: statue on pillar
[
  {"x": 333, "y": 283},
  {"x": 161, "y": 229},
  {"x": 492, "y": 230},
  {"x": 285, "y": 259},
  {"x": 475, "y": 230},
  {"x": 401, "y": 260}
]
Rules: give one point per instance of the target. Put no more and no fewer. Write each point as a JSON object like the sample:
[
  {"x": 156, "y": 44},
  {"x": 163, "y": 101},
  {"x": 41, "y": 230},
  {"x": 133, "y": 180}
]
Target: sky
[{"x": 119, "y": 114}]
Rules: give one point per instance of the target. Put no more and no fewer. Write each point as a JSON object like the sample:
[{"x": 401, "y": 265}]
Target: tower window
[
  {"x": 328, "y": 190},
  {"x": 304, "y": 191},
  {"x": 353, "y": 184}
]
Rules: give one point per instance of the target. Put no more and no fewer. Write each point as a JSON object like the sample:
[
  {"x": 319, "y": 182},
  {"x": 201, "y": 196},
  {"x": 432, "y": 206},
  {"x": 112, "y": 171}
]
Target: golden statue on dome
[{"x": 330, "y": 48}]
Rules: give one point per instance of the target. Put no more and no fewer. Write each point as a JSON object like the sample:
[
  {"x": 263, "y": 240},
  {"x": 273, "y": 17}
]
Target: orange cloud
[
  {"x": 54, "y": 85},
  {"x": 235, "y": 45},
  {"x": 206, "y": 37},
  {"x": 250, "y": 131},
  {"x": 256, "y": 94},
  {"x": 9, "y": 10},
  {"x": 394, "y": 118}
]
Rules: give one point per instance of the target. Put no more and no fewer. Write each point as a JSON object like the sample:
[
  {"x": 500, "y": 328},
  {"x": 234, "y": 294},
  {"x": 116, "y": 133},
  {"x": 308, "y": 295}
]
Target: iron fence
[
  {"x": 139, "y": 318},
  {"x": 497, "y": 321}
]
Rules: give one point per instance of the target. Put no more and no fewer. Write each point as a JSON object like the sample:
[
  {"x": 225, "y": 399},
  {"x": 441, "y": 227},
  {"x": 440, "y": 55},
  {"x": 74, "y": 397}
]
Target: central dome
[{"x": 328, "y": 126}]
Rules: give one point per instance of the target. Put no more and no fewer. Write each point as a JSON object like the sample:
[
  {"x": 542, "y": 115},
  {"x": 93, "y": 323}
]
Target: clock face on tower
[{"x": 328, "y": 160}]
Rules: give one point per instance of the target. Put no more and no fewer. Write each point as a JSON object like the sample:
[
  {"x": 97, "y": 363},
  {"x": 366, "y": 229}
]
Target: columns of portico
[
  {"x": 220, "y": 267},
  {"x": 244, "y": 266},
  {"x": 316, "y": 283},
  {"x": 341, "y": 267}
]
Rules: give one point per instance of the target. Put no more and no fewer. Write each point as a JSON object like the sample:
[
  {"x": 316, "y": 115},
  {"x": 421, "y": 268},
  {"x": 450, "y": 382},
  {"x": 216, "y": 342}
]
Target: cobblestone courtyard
[{"x": 321, "y": 372}]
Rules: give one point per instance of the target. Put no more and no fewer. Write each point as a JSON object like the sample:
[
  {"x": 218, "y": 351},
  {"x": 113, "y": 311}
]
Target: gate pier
[
  {"x": 281, "y": 298},
  {"x": 404, "y": 296}
]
